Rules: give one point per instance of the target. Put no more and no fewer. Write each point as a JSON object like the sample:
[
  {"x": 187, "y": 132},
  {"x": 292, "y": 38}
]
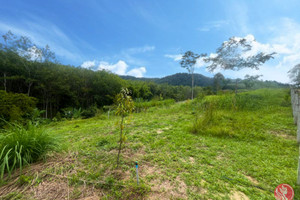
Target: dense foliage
[{"x": 14, "y": 107}]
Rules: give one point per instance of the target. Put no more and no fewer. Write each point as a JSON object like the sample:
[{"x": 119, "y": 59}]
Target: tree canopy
[
  {"x": 235, "y": 54},
  {"x": 294, "y": 75}
]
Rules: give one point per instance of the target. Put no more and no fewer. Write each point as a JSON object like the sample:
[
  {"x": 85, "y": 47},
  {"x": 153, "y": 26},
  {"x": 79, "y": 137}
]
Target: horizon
[
  {"x": 144, "y": 39},
  {"x": 194, "y": 74}
]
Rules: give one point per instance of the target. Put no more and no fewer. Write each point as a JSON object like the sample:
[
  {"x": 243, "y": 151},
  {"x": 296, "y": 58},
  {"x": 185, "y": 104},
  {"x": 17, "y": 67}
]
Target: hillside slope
[{"x": 240, "y": 153}]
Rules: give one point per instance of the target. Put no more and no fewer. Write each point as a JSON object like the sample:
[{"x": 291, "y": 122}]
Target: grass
[
  {"x": 20, "y": 146},
  {"x": 243, "y": 150}
]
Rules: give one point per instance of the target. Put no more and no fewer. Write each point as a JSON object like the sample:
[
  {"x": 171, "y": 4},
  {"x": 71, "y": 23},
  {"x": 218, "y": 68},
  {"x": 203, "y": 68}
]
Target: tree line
[{"x": 34, "y": 71}]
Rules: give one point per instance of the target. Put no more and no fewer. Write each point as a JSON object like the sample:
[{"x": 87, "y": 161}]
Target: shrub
[
  {"x": 23, "y": 145},
  {"x": 90, "y": 112},
  {"x": 13, "y": 107}
]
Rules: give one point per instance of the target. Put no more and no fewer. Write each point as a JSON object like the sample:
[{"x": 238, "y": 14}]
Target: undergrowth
[{"x": 21, "y": 145}]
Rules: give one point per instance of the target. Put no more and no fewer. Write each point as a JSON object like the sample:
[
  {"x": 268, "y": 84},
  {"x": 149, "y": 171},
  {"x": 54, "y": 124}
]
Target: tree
[
  {"x": 125, "y": 106},
  {"x": 188, "y": 61},
  {"x": 250, "y": 80},
  {"x": 218, "y": 81},
  {"x": 236, "y": 54},
  {"x": 294, "y": 75},
  {"x": 30, "y": 55}
]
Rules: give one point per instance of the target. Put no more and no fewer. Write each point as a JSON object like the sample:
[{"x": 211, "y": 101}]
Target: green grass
[
  {"x": 23, "y": 145},
  {"x": 248, "y": 148}
]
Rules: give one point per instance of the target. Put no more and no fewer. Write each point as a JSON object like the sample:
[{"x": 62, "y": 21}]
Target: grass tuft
[{"x": 23, "y": 145}]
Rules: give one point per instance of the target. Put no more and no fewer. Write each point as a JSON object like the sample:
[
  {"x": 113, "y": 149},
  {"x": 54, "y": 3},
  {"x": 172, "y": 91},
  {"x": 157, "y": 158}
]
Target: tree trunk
[
  {"x": 121, "y": 141},
  {"x": 192, "y": 86},
  {"x": 29, "y": 87},
  {"x": 47, "y": 108},
  {"x": 4, "y": 76}
]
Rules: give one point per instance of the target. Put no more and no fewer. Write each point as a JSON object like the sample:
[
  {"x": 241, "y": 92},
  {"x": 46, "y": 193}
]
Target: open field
[{"x": 244, "y": 151}]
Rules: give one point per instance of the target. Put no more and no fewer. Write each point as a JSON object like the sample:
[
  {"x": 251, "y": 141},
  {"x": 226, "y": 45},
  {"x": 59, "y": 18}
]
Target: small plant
[
  {"x": 77, "y": 113},
  {"x": 125, "y": 106},
  {"x": 23, "y": 145}
]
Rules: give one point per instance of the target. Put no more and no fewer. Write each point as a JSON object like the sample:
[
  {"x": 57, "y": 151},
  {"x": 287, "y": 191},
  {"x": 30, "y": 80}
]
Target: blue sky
[{"x": 146, "y": 37}]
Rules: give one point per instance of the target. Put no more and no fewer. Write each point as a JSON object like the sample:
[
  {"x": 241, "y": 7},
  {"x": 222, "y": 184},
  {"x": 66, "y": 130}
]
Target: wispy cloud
[
  {"x": 213, "y": 25},
  {"x": 43, "y": 32},
  {"x": 137, "y": 50},
  {"x": 175, "y": 57}
]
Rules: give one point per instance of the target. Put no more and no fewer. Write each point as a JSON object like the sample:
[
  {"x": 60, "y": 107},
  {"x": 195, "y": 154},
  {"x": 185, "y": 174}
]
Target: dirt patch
[
  {"x": 282, "y": 134},
  {"x": 51, "y": 190},
  {"x": 192, "y": 160},
  {"x": 238, "y": 196},
  {"x": 159, "y": 131},
  {"x": 91, "y": 198},
  {"x": 199, "y": 190},
  {"x": 166, "y": 189},
  {"x": 34, "y": 170},
  {"x": 254, "y": 181}
]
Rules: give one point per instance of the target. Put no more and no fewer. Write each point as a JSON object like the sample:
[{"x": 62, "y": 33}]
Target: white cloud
[
  {"x": 200, "y": 63},
  {"x": 175, "y": 57},
  {"x": 119, "y": 68},
  {"x": 88, "y": 64},
  {"x": 137, "y": 72}
]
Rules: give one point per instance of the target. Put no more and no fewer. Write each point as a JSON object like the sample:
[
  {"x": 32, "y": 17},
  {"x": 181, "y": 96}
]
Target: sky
[{"x": 146, "y": 38}]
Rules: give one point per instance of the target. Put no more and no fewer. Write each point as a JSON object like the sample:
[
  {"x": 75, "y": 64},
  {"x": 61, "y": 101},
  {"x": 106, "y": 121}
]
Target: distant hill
[
  {"x": 177, "y": 79},
  {"x": 203, "y": 81}
]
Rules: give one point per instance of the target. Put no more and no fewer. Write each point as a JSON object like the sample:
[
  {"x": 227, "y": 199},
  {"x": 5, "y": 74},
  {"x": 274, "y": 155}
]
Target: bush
[
  {"x": 72, "y": 113},
  {"x": 23, "y": 145},
  {"x": 90, "y": 112},
  {"x": 13, "y": 107}
]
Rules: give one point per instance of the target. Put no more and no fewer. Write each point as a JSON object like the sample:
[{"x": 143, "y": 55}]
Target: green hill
[{"x": 177, "y": 79}]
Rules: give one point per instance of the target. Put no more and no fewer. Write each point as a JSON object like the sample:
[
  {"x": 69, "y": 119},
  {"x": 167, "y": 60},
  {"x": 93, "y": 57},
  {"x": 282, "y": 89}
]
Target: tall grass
[
  {"x": 202, "y": 122},
  {"x": 23, "y": 145},
  {"x": 141, "y": 105}
]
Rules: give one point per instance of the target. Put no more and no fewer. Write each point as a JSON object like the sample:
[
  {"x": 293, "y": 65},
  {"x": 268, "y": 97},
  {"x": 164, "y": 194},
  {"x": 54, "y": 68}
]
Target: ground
[{"x": 244, "y": 153}]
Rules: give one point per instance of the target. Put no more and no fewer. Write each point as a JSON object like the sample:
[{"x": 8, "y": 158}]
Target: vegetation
[
  {"x": 232, "y": 55},
  {"x": 184, "y": 79},
  {"x": 240, "y": 151},
  {"x": 294, "y": 74},
  {"x": 216, "y": 146},
  {"x": 188, "y": 62},
  {"x": 15, "y": 107},
  {"x": 23, "y": 145},
  {"x": 125, "y": 106}
]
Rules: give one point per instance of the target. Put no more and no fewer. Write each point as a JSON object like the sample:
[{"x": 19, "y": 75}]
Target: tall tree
[
  {"x": 188, "y": 62},
  {"x": 218, "y": 81},
  {"x": 294, "y": 75},
  {"x": 236, "y": 54}
]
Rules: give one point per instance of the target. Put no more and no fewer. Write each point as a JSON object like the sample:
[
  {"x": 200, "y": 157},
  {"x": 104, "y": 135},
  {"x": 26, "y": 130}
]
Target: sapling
[{"x": 125, "y": 106}]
